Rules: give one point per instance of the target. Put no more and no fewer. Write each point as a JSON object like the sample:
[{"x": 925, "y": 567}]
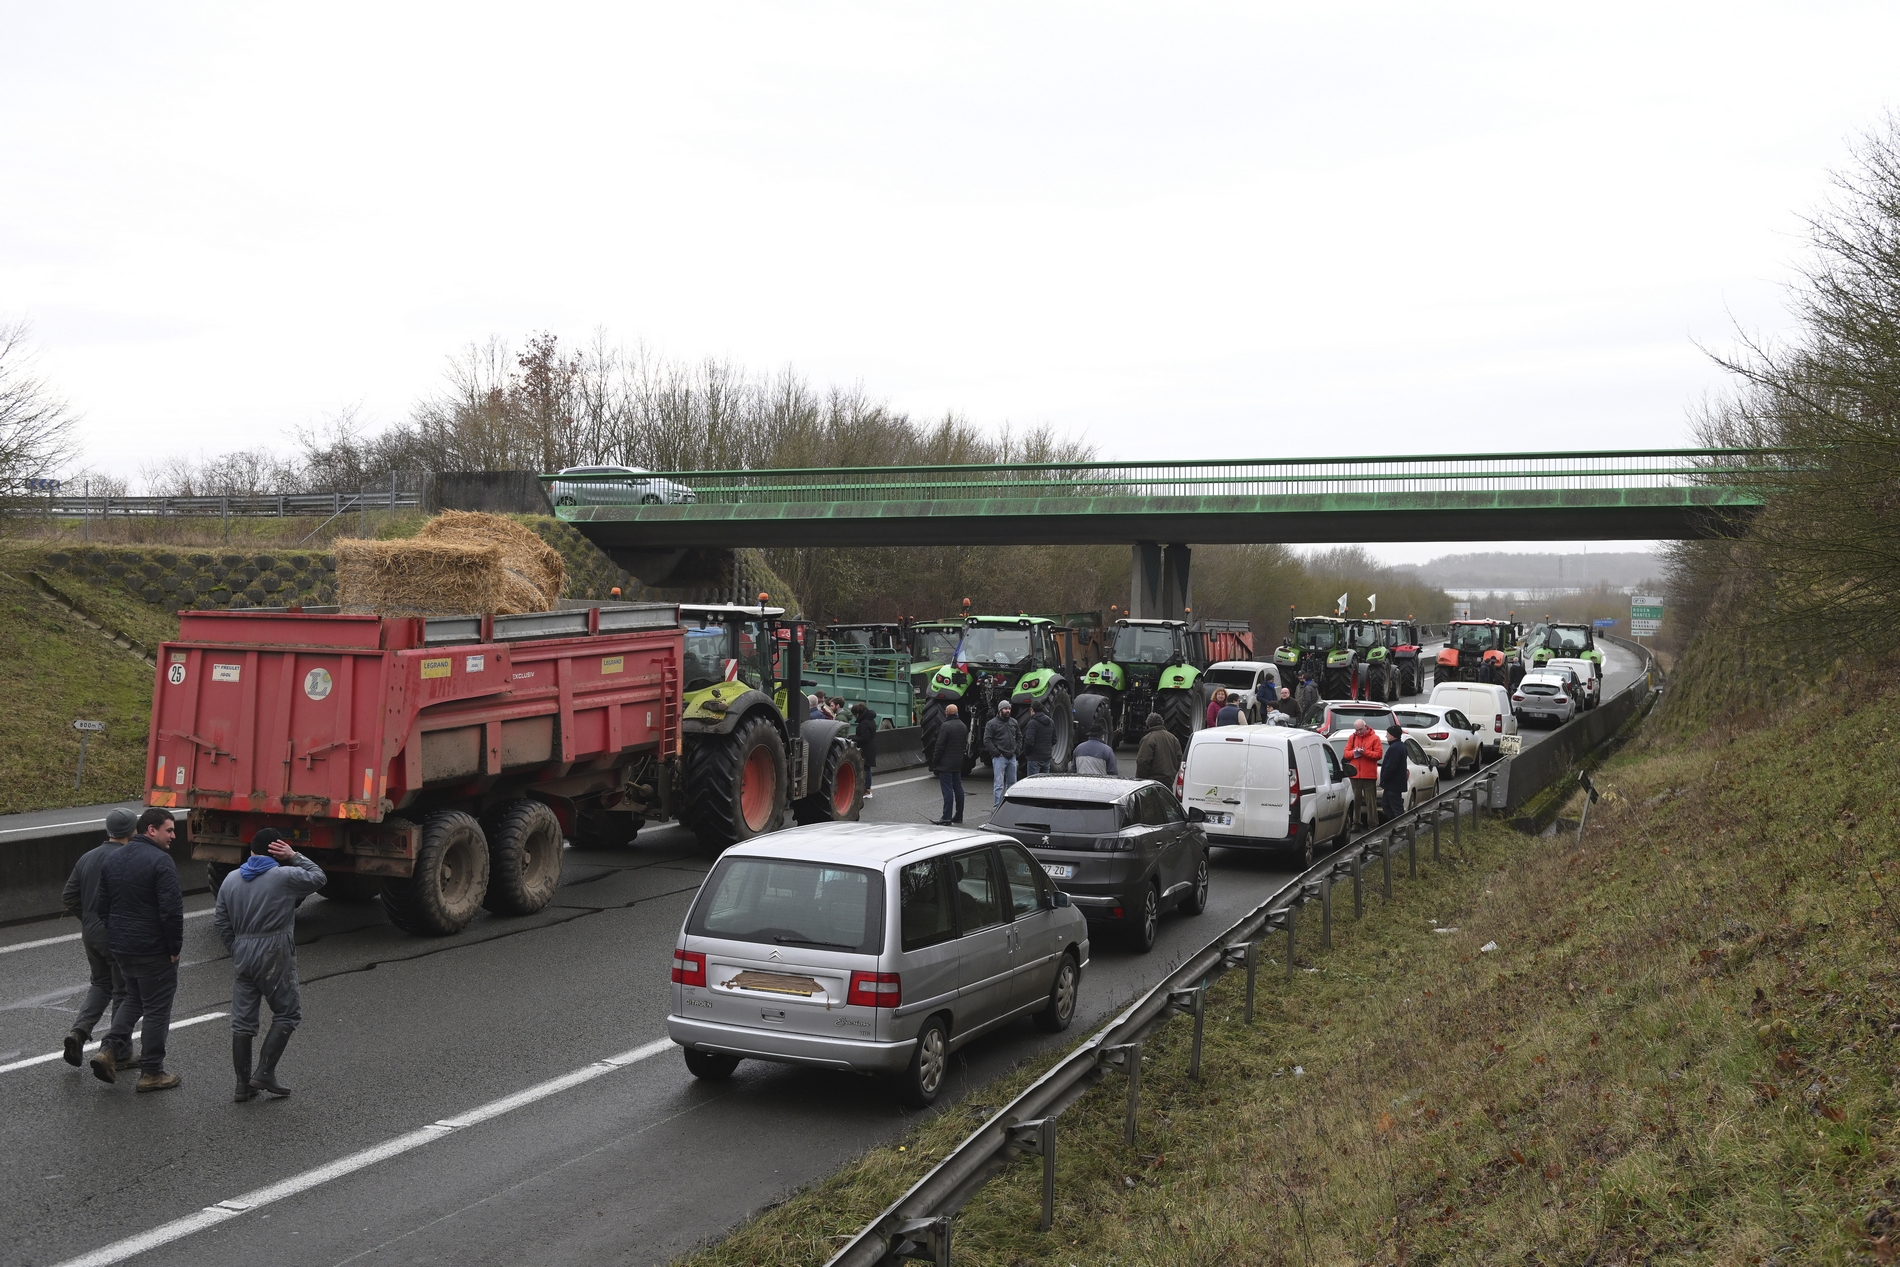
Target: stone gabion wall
[{"x": 199, "y": 580}]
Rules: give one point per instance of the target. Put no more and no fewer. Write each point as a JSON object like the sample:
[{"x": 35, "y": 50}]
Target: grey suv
[
  {"x": 871, "y": 947},
  {"x": 1122, "y": 849}
]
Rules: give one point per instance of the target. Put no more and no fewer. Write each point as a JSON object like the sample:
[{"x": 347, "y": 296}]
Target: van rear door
[
  {"x": 1268, "y": 774},
  {"x": 1217, "y": 779}
]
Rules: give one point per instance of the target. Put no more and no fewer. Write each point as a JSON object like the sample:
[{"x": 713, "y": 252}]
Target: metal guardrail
[
  {"x": 1578, "y": 470},
  {"x": 918, "y": 1225},
  {"x": 288, "y": 505}
]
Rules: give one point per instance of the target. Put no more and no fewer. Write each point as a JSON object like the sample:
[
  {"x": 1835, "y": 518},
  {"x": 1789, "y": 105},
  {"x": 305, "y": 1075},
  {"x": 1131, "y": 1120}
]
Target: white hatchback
[
  {"x": 1588, "y": 672},
  {"x": 1544, "y": 697},
  {"x": 1447, "y": 737}
]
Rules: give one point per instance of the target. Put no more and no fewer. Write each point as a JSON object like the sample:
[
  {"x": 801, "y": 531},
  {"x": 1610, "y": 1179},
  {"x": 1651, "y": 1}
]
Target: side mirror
[
  {"x": 1195, "y": 815},
  {"x": 1058, "y": 900}
]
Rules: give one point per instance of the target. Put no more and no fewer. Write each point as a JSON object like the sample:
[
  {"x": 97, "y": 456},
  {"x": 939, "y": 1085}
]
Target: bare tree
[{"x": 36, "y": 424}]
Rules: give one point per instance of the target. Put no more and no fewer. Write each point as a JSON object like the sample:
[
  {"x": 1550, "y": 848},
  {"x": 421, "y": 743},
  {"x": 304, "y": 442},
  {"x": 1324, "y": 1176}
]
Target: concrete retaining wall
[{"x": 34, "y": 871}]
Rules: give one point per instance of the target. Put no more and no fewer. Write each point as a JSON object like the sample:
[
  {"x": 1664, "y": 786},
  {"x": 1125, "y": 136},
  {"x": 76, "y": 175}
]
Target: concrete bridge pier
[{"x": 1160, "y": 588}]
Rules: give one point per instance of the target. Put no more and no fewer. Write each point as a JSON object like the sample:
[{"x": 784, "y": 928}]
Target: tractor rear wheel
[
  {"x": 1336, "y": 684},
  {"x": 450, "y": 878},
  {"x": 1061, "y": 711},
  {"x": 839, "y": 796},
  {"x": 1182, "y": 712},
  {"x": 735, "y": 783},
  {"x": 1094, "y": 715},
  {"x": 524, "y": 857},
  {"x": 929, "y": 722}
]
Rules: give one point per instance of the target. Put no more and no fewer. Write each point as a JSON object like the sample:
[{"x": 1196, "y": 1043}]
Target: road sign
[
  {"x": 89, "y": 725},
  {"x": 1646, "y": 613},
  {"x": 1604, "y": 624},
  {"x": 86, "y": 729}
]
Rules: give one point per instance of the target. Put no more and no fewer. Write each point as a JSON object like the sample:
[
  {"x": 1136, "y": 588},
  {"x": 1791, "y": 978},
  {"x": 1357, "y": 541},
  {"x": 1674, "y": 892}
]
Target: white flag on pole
[
  {"x": 1342, "y": 605},
  {"x": 1372, "y": 602}
]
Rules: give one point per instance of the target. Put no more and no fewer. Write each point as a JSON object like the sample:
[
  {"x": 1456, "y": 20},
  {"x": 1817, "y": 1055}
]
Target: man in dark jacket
[
  {"x": 144, "y": 914},
  {"x": 1039, "y": 739},
  {"x": 1001, "y": 740},
  {"x": 1159, "y": 757},
  {"x": 82, "y": 900},
  {"x": 1394, "y": 774},
  {"x": 1309, "y": 694},
  {"x": 953, "y": 740},
  {"x": 864, "y": 735},
  {"x": 256, "y": 913}
]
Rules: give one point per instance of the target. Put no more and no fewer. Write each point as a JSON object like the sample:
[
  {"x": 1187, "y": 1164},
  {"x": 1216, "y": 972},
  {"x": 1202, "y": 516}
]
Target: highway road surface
[{"x": 505, "y": 1096}]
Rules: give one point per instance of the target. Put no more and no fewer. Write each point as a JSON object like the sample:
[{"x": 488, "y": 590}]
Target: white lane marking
[
  {"x": 83, "y": 822},
  {"x": 66, "y": 937},
  {"x": 58, "y": 1055},
  {"x": 915, "y": 778},
  {"x": 212, "y": 1215}
]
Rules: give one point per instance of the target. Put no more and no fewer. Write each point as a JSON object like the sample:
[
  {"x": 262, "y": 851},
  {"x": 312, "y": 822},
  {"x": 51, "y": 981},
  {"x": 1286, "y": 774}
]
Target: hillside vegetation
[{"x": 1683, "y": 1046}]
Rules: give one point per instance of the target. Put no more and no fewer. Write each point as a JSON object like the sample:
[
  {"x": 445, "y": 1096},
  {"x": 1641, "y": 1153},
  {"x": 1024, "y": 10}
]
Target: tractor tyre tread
[
  {"x": 1177, "y": 710},
  {"x": 821, "y": 805},
  {"x": 522, "y": 836},
  {"x": 420, "y": 903},
  {"x": 714, "y": 765}
]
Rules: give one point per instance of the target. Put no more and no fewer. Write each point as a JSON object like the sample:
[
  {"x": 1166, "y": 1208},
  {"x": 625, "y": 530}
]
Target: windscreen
[
  {"x": 1069, "y": 818},
  {"x": 1232, "y": 679},
  {"x": 1136, "y": 644},
  {"x": 933, "y": 646},
  {"x": 1474, "y": 637},
  {"x": 1562, "y": 639},
  {"x": 781, "y": 902},
  {"x": 1378, "y": 718},
  {"x": 1414, "y": 720},
  {"x": 707, "y": 651},
  {"x": 1318, "y": 636},
  {"x": 1365, "y": 637},
  {"x": 985, "y": 644}
]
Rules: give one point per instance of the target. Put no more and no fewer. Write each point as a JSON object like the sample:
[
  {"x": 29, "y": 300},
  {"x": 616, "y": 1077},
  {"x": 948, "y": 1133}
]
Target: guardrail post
[
  {"x": 1039, "y": 1137},
  {"x": 1291, "y": 913},
  {"x": 1253, "y": 966},
  {"x": 1326, "y": 912},
  {"x": 1358, "y": 887},
  {"x": 928, "y": 1239},
  {"x": 1411, "y": 850},
  {"x": 1127, "y": 1058},
  {"x": 1194, "y": 1003},
  {"x": 1385, "y": 857},
  {"x": 1457, "y": 815},
  {"x": 1438, "y": 813}
]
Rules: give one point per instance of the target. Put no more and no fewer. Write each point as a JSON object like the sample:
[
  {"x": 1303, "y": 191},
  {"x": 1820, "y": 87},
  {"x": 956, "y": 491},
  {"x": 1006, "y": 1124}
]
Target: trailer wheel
[
  {"x": 1062, "y": 713},
  {"x": 450, "y": 879},
  {"x": 839, "y": 796},
  {"x": 524, "y": 857},
  {"x": 735, "y": 784},
  {"x": 215, "y": 873}
]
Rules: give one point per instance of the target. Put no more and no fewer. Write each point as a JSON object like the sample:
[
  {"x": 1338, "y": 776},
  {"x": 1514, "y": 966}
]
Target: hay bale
[
  {"x": 420, "y": 578},
  {"x": 523, "y": 553}
]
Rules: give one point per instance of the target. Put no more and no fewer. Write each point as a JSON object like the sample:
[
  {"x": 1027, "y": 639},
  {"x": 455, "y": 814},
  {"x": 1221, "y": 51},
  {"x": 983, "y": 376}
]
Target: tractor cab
[
  {"x": 1481, "y": 650},
  {"x": 997, "y": 659},
  {"x": 1568, "y": 641},
  {"x": 1323, "y": 647},
  {"x": 730, "y": 650}
]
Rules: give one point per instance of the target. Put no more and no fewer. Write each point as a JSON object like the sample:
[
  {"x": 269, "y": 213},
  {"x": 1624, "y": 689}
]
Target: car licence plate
[
  {"x": 1510, "y": 745},
  {"x": 1058, "y": 870},
  {"x": 1221, "y": 820}
]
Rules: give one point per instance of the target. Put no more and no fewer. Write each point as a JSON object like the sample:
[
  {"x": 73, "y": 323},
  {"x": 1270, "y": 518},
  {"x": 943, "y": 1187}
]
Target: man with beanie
[
  {"x": 1039, "y": 739},
  {"x": 1159, "y": 757},
  {"x": 82, "y": 900},
  {"x": 1001, "y": 739},
  {"x": 143, "y": 911},
  {"x": 1394, "y": 774},
  {"x": 257, "y": 909}
]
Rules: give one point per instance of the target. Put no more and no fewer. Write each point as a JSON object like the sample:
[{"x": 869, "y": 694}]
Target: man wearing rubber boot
[{"x": 256, "y": 913}]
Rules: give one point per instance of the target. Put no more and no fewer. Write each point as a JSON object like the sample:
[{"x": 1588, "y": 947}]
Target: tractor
[
  {"x": 749, "y": 753},
  {"x": 1566, "y": 641},
  {"x": 1374, "y": 674},
  {"x": 1480, "y": 651},
  {"x": 1152, "y": 666},
  {"x": 1318, "y": 645},
  {"x": 1402, "y": 641},
  {"x": 1000, "y": 658},
  {"x": 931, "y": 643}
]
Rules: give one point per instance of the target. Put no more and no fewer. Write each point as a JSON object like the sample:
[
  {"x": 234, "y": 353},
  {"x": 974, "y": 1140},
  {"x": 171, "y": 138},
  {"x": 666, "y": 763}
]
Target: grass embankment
[
  {"x": 54, "y": 670},
  {"x": 1683, "y": 1047}
]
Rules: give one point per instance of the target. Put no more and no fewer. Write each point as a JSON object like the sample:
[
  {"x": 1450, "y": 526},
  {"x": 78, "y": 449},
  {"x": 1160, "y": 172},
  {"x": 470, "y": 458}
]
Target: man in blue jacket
[
  {"x": 256, "y": 915},
  {"x": 144, "y": 915}
]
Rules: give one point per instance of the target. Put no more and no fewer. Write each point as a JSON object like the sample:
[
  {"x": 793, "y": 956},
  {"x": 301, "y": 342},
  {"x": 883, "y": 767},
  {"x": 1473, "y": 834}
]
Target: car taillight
[
  {"x": 1180, "y": 782},
  {"x": 1293, "y": 786},
  {"x": 1519, "y": 697},
  {"x": 875, "y": 989},
  {"x": 1440, "y": 735},
  {"x": 689, "y": 968},
  {"x": 1114, "y": 844},
  {"x": 1498, "y": 724}
]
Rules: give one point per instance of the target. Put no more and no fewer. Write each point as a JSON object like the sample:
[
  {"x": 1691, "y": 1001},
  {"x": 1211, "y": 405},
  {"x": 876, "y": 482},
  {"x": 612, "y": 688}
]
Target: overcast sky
[{"x": 1182, "y": 230}]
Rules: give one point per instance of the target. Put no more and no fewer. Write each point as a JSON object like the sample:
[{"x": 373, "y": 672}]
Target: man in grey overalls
[{"x": 257, "y": 910}]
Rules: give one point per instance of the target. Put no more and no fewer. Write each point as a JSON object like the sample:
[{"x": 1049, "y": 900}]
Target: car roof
[
  {"x": 601, "y": 470},
  {"x": 857, "y": 844},
  {"x": 721, "y": 609},
  {"x": 1349, "y": 706},
  {"x": 1543, "y": 674},
  {"x": 1086, "y": 788},
  {"x": 1254, "y": 730},
  {"x": 1255, "y": 665},
  {"x": 1426, "y": 708}
]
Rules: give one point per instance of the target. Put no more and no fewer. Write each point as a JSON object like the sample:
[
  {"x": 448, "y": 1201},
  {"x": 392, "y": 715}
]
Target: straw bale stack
[
  {"x": 532, "y": 562},
  {"x": 460, "y": 563}
]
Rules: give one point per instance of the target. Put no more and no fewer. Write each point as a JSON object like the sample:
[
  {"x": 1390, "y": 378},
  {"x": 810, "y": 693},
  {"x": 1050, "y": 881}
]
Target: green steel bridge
[{"x": 1637, "y": 494}]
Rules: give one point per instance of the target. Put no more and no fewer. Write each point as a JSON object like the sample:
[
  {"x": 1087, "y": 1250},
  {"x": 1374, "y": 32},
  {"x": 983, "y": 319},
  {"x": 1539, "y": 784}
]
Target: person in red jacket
[{"x": 1363, "y": 751}]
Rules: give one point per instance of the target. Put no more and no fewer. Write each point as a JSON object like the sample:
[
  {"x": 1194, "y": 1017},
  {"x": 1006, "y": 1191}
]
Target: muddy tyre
[
  {"x": 450, "y": 879},
  {"x": 1061, "y": 710},
  {"x": 524, "y": 857},
  {"x": 839, "y": 797},
  {"x": 929, "y": 722},
  {"x": 1182, "y": 712},
  {"x": 735, "y": 784}
]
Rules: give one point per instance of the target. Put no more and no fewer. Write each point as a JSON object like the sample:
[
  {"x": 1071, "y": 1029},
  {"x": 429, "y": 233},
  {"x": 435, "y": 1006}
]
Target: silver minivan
[{"x": 871, "y": 947}]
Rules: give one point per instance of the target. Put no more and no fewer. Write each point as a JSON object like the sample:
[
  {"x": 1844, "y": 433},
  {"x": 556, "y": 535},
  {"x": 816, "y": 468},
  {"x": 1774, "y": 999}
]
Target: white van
[
  {"x": 1486, "y": 704},
  {"x": 1589, "y": 672},
  {"x": 1266, "y": 787}
]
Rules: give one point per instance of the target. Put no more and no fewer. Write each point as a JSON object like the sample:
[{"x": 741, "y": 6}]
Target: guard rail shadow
[{"x": 919, "y": 1224}]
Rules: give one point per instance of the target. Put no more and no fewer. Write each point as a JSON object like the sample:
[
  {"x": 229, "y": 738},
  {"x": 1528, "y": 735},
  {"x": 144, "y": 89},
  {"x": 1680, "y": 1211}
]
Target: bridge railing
[{"x": 1266, "y": 477}]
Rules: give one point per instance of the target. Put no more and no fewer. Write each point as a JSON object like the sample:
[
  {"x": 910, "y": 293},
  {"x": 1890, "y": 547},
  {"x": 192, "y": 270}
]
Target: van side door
[
  {"x": 1167, "y": 834},
  {"x": 1335, "y": 797},
  {"x": 927, "y": 945},
  {"x": 1039, "y": 939},
  {"x": 986, "y": 939}
]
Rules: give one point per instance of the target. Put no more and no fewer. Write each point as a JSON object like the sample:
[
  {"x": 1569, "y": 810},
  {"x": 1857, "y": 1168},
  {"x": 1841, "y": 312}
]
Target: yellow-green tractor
[{"x": 751, "y": 756}]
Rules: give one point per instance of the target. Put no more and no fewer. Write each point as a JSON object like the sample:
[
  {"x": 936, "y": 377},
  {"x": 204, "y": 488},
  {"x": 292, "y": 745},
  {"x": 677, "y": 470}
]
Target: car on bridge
[
  {"x": 618, "y": 486},
  {"x": 873, "y": 948}
]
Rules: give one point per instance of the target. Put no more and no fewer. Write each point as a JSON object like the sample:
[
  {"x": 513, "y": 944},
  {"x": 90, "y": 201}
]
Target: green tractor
[
  {"x": 1374, "y": 671},
  {"x": 1002, "y": 658},
  {"x": 932, "y": 643},
  {"x": 1565, "y": 641},
  {"x": 1321, "y": 646},
  {"x": 1151, "y": 666},
  {"x": 749, "y": 754}
]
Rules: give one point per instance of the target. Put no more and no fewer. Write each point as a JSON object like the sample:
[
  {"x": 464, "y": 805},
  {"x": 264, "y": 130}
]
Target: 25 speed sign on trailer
[{"x": 1645, "y": 614}]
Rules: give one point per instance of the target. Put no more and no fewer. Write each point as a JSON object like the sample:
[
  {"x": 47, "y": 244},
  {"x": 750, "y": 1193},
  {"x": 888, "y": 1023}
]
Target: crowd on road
[{"x": 126, "y": 895}]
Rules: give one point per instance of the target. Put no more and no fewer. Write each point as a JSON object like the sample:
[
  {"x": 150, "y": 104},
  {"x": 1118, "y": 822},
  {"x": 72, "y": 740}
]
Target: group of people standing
[
  {"x": 126, "y": 894},
  {"x": 1025, "y": 745}
]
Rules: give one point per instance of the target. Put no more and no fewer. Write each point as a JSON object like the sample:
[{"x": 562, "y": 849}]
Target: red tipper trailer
[{"x": 439, "y": 760}]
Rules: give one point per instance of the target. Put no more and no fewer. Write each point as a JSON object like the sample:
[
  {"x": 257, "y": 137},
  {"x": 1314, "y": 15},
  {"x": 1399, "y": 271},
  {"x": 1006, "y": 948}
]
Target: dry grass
[{"x": 1683, "y": 1048}]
